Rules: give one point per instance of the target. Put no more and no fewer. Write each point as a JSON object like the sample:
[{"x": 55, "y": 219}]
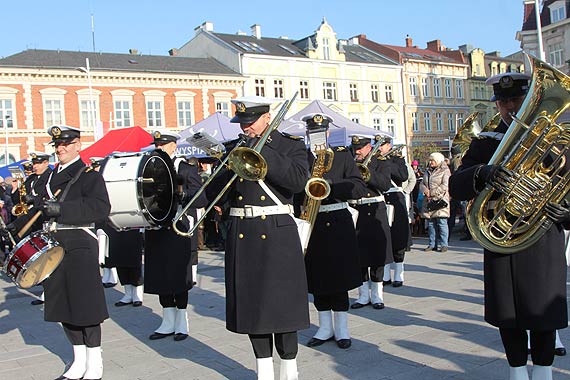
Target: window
[
  {"x": 477, "y": 70},
  {"x": 415, "y": 125},
  {"x": 413, "y": 86},
  {"x": 425, "y": 87},
  {"x": 154, "y": 114},
  {"x": 459, "y": 88},
  {"x": 355, "y": 118},
  {"x": 222, "y": 101},
  {"x": 329, "y": 90},
  {"x": 437, "y": 87},
  {"x": 304, "y": 89},
  {"x": 185, "y": 113},
  {"x": 427, "y": 122},
  {"x": 388, "y": 92},
  {"x": 122, "y": 113},
  {"x": 438, "y": 122},
  {"x": 557, "y": 14},
  {"x": 556, "y": 55},
  {"x": 259, "y": 87},
  {"x": 377, "y": 123},
  {"x": 391, "y": 125},
  {"x": 223, "y": 108},
  {"x": 374, "y": 95},
  {"x": 459, "y": 120},
  {"x": 88, "y": 111},
  {"x": 494, "y": 68},
  {"x": 450, "y": 127},
  {"x": 278, "y": 88},
  {"x": 447, "y": 84},
  {"x": 53, "y": 112},
  {"x": 326, "y": 49},
  {"x": 6, "y": 113},
  {"x": 353, "y": 88}
]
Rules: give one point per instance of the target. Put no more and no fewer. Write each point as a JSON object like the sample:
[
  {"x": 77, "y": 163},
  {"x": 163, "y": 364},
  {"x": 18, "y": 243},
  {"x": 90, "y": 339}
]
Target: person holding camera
[{"x": 435, "y": 208}]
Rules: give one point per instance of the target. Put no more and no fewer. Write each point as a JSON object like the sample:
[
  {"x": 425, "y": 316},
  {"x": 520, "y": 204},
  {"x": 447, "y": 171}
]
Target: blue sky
[{"x": 153, "y": 27}]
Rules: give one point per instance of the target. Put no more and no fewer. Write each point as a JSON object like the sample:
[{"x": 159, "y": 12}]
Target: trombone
[
  {"x": 245, "y": 162},
  {"x": 363, "y": 167}
]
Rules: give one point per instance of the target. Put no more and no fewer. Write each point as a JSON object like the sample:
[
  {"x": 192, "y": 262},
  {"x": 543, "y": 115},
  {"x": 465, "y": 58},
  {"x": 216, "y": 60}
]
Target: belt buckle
[{"x": 248, "y": 211}]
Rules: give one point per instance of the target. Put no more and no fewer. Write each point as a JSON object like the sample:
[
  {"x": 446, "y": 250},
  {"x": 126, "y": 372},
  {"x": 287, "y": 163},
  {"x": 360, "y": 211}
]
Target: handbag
[{"x": 436, "y": 204}]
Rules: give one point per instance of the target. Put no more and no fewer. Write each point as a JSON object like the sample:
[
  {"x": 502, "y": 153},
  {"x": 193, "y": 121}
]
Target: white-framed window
[
  {"x": 88, "y": 108},
  {"x": 329, "y": 90},
  {"x": 389, "y": 93},
  {"x": 259, "y": 87},
  {"x": 427, "y": 122},
  {"x": 478, "y": 69},
  {"x": 184, "y": 108},
  {"x": 377, "y": 123},
  {"x": 556, "y": 54},
  {"x": 391, "y": 124},
  {"x": 415, "y": 124},
  {"x": 154, "y": 100},
  {"x": 304, "y": 89},
  {"x": 557, "y": 14},
  {"x": 447, "y": 86},
  {"x": 326, "y": 49},
  {"x": 355, "y": 118},
  {"x": 374, "y": 93},
  {"x": 413, "y": 86},
  {"x": 437, "y": 87},
  {"x": 222, "y": 100},
  {"x": 438, "y": 122},
  {"x": 450, "y": 123},
  {"x": 459, "y": 121},
  {"x": 425, "y": 87},
  {"x": 353, "y": 89},
  {"x": 123, "y": 108},
  {"x": 7, "y": 110},
  {"x": 53, "y": 102},
  {"x": 223, "y": 108},
  {"x": 459, "y": 88},
  {"x": 278, "y": 90}
]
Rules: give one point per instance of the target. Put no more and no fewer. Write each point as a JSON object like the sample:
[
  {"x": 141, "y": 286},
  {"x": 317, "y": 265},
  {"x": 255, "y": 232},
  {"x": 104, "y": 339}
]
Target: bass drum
[{"x": 141, "y": 189}]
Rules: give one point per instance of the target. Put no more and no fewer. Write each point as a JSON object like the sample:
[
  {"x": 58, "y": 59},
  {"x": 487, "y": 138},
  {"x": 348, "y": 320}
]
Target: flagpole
[{"x": 541, "y": 53}]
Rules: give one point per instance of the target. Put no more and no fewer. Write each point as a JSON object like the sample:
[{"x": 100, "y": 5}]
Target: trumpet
[
  {"x": 396, "y": 151},
  {"x": 247, "y": 163}
]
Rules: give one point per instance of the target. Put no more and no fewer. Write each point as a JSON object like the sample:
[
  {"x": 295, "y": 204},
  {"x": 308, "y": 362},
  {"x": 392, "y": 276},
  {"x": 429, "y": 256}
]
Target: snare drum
[
  {"x": 33, "y": 259},
  {"x": 141, "y": 189}
]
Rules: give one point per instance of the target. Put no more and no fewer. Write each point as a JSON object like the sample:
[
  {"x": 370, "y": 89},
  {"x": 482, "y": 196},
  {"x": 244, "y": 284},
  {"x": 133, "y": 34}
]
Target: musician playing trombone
[
  {"x": 266, "y": 288},
  {"x": 525, "y": 290},
  {"x": 373, "y": 228}
]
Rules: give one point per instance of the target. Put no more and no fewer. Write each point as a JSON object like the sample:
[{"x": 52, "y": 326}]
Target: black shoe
[
  {"x": 179, "y": 336},
  {"x": 397, "y": 284},
  {"x": 121, "y": 303},
  {"x": 443, "y": 249},
  {"x": 66, "y": 378},
  {"x": 389, "y": 282},
  {"x": 157, "y": 335},
  {"x": 378, "y": 306},
  {"x": 109, "y": 284},
  {"x": 37, "y": 302},
  {"x": 137, "y": 303},
  {"x": 315, "y": 342},
  {"x": 344, "y": 343},
  {"x": 358, "y": 305},
  {"x": 560, "y": 351},
  {"x": 429, "y": 249}
]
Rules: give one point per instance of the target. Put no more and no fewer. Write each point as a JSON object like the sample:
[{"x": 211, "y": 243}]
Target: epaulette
[
  {"x": 293, "y": 137},
  {"x": 340, "y": 149}
]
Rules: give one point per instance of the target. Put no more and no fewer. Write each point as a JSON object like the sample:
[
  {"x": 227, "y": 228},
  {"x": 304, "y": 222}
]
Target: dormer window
[
  {"x": 326, "y": 49},
  {"x": 557, "y": 12}
]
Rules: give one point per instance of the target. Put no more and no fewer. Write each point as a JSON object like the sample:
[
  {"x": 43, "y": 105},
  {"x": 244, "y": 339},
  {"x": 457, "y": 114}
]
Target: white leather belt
[
  {"x": 365, "y": 201},
  {"x": 395, "y": 190},
  {"x": 333, "y": 207},
  {"x": 255, "y": 211},
  {"x": 59, "y": 226}
]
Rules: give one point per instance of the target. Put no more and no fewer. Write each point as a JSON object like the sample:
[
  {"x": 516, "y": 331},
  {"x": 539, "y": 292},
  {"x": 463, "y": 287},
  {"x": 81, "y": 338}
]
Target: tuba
[
  {"x": 470, "y": 129},
  {"x": 535, "y": 149}
]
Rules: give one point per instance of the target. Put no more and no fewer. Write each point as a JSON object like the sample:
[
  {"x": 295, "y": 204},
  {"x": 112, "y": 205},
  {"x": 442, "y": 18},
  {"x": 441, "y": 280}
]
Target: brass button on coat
[
  {"x": 240, "y": 198},
  {"x": 240, "y": 236},
  {"x": 241, "y": 179},
  {"x": 262, "y": 197},
  {"x": 263, "y": 217},
  {"x": 263, "y": 237},
  {"x": 328, "y": 224}
]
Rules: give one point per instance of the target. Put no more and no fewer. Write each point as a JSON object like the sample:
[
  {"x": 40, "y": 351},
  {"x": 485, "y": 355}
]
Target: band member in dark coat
[
  {"x": 266, "y": 288},
  {"x": 372, "y": 229},
  {"x": 525, "y": 290},
  {"x": 332, "y": 259},
  {"x": 400, "y": 229},
  {"x": 168, "y": 265},
  {"x": 74, "y": 293}
]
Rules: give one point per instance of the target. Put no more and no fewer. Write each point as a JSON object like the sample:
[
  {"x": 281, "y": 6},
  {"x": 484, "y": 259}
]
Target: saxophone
[
  {"x": 20, "y": 208},
  {"x": 317, "y": 188}
]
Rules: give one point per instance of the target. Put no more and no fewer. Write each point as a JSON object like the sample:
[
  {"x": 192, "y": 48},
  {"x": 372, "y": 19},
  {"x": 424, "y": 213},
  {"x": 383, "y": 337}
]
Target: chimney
[
  {"x": 408, "y": 41},
  {"x": 256, "y": 31},
  {"x": 133, "y": 51},
  {"x": 434, "y": 45},
  {"x": 173, "y": 52},
  {"x": 529, "y": 14},
  {"x": 206, "y": 26}
]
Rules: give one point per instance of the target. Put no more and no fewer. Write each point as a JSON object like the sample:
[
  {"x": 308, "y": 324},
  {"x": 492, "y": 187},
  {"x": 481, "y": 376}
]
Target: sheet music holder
[{"x": 207, "y": 143}]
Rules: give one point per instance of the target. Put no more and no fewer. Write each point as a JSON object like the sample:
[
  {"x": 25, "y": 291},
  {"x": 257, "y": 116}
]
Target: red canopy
[{"x": 118, "y": 140}]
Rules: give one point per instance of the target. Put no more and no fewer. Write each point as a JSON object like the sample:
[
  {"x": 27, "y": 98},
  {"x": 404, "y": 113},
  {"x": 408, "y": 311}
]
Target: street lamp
[
  {"x": 8, "y": 122},
  {"x": 91, "y": 109}
]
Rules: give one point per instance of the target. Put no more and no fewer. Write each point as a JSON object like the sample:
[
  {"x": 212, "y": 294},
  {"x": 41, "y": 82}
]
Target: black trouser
[
  {"x": 376, "y": 274},
  {"x": 285, "y": 343},
  {"x": 515, "y": 342},
  {"x": 334, "y": 302},
  {"x": 89, "y": 336},
  {"x": 130, "y": 275},
  {"x": 180, "y": 300},
  {"x": 399, "y": 256}
]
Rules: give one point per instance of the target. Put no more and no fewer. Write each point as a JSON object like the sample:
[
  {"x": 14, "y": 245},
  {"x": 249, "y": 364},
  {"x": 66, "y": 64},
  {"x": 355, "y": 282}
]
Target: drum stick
[
  {"x": 3, "y": 226},
  {"x": 28, "y": 225}
]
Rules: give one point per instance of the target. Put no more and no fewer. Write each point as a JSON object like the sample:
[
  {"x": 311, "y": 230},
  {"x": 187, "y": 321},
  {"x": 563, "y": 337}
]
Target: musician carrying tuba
[{"x": 505, "y": 174}]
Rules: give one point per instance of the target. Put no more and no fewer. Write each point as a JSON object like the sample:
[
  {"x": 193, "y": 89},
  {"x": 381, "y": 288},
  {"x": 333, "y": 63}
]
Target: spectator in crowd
[{"x": 434, "y": 187}]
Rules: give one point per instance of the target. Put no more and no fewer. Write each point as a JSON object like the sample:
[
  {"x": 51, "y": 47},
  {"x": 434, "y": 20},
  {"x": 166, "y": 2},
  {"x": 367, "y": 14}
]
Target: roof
[
  {"x": 58, "y": 59},
  {"x": 529, "y": 17}
]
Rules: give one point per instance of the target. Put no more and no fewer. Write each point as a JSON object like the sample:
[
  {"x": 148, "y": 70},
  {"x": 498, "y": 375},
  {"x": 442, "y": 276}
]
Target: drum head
[
  {"x": 41, "y": 267},
  {"x": 156, "y": 189}
]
